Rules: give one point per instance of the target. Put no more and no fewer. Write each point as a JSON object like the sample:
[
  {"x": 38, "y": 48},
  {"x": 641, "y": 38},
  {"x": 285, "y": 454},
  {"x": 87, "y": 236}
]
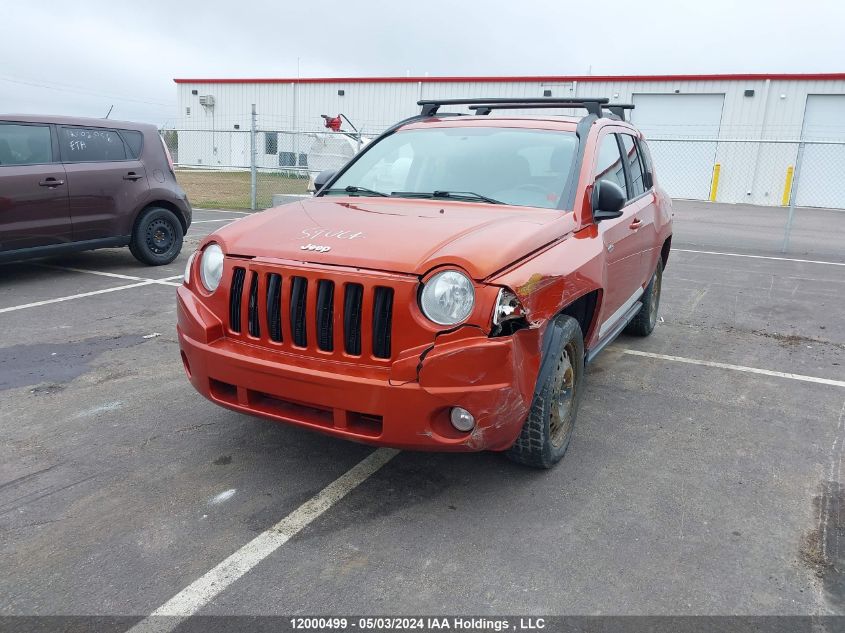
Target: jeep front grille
[{"x": 304, "y": 310}]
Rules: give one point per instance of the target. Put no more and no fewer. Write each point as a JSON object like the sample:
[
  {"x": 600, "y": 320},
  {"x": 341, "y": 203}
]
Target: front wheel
[
  {"x": 157, "y": 238},
  {"x": 547, "y": 432}
]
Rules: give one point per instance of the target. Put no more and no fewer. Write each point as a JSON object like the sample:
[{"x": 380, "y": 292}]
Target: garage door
[
  {"x": 684, "y": 167},
  {"x": 821, "y": 182}
]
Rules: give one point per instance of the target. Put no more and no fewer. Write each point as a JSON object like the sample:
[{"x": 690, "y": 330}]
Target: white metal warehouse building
[{"x": 729, "y": 138}]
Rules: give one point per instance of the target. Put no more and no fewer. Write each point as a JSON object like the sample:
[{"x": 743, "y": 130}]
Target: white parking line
[
  {"x": 35, "y": 304},
  {"x": 203, "y": 590},
  {"x": 750, "y": 370},
  {"x": 91, "y": 272},
  {"x": 166, "y": 281},
  {"x": 779, "y": 259},
  {"x": 220, "y": 220}
]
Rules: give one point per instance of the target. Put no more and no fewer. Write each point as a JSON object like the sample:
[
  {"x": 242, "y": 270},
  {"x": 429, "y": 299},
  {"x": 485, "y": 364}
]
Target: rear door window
[
  {"x": 85, "y": 145},
  {"x": 648, "y": 168},
  {"x": 134, "y": 142},
  {"x": 635, "y": 166},
  {"x": 609, "y": 163},
  {"x": 25, "y": 144}
]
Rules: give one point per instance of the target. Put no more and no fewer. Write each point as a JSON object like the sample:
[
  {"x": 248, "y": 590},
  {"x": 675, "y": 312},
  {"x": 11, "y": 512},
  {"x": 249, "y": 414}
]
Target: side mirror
[
  {"x": 608, "y": 200},
  {"x": 323, "y": 177},
  {"x": 648, "y": 180}
]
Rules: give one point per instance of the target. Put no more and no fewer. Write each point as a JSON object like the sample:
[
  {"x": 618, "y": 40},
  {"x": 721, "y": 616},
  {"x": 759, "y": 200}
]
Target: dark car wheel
[
  {"x": 547, "y": 432},
  {"x": 157, "y": 238},
  {"x": 643, "y": 324}
]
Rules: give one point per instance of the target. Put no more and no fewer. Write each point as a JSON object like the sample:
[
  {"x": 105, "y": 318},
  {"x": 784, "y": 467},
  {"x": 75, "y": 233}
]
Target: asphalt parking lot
[{"x": 704, "y": 476}]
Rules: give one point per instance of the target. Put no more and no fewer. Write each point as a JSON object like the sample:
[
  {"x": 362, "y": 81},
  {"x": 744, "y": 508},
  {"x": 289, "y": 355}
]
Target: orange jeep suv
[{"x": 445, "y": 289}]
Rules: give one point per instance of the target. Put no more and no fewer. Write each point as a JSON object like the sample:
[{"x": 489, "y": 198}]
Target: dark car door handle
[
  {"x": 132, "y": 176},
  {"x": 636, "y": 223},
  {"x": 51, "y": 182}
]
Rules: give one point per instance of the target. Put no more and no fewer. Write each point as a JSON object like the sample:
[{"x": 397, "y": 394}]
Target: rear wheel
[
  {"x": 157, "y": 238},
  {"x": 643, "y": 324},
  {"x": 547, "y": 432}
]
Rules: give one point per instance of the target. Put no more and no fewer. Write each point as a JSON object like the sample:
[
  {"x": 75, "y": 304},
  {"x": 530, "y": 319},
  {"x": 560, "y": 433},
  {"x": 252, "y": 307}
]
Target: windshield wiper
[
  {"x": 358, "y": 190},
  {"x": 456, "y": 195}
]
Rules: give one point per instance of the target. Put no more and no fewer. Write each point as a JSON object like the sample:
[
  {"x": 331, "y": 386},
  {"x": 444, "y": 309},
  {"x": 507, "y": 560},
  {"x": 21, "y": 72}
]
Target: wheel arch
[
  {"x": 585, "y": 310},
  {"x": 664, "y": 251},
  {"x": 163, "y": 204}
]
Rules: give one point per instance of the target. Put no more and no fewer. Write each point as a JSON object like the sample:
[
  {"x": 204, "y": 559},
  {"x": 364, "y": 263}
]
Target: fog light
[{"x": 462, "y": 419}]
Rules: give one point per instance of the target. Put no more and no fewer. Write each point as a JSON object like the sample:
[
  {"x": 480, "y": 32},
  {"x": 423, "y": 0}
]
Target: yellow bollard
[
  {"x": 787, "y": 186},
  {"x": 714, "y": 184}
]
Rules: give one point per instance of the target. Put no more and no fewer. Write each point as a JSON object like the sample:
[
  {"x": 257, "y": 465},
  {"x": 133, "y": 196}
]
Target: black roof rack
[
  {"x": 619, "y": 108},
  {"x": 592, "y": 105}
]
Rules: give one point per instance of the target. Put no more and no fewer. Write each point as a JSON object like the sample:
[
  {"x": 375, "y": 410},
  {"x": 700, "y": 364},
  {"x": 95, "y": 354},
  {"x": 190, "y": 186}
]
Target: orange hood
[{"x": 397, "y": 235}]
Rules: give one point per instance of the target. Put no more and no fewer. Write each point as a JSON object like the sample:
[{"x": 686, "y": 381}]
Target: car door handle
[
  {"x": 635, "y": 224},
  {"x": 132, "y": 176},
  {"x": 51, "y": 182}
]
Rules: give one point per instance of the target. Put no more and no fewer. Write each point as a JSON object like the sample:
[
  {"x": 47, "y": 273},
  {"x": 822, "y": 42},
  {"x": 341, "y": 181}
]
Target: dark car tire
[
  {"x": 643, "y": 324},
  {"x": 157, "y": 237},
  {"x": 547, "y": 432}
]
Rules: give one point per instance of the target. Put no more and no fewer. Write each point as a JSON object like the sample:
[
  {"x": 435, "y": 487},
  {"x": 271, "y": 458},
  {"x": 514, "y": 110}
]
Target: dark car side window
[
  {"x": 609, "y": 162},
  {"x": 25, "y": 144},
  {"x": 83, "y": 145},
  {"x": 635, "y": 167},
  {"x": 134, "y": 142}
]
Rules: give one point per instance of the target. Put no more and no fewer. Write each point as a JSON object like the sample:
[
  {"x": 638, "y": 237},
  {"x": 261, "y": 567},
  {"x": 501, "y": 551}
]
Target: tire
[
  {"x": 643, "y": 324},
  {"x": 547, "y": 432},
  {"x": 157, "y": 238}
]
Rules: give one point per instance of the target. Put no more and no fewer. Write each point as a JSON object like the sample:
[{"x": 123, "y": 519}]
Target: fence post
[
  {"x": 714, "y": 181},
  {"x": 796, "y": 175},
  {"x": 252, "y": 158}
]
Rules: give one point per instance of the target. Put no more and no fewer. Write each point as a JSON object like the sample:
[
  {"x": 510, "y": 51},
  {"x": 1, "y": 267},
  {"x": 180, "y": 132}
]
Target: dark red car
[
  {"x": 445, "y": 289},
  {"x": 69, "y": 184}
]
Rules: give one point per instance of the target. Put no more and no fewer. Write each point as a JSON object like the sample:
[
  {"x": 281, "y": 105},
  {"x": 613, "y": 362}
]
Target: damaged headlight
[
  {"x": 211, "y": 266},
  {"x": 507, "y": 307},
  {"x": 448, "y": 298}
]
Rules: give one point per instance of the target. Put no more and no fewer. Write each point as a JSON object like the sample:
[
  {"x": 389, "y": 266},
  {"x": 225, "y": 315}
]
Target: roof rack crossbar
[
  {"x": 485, "y": 108},
  {"x": 619, "y": 109},
  {"x": 430, "y": 106}
]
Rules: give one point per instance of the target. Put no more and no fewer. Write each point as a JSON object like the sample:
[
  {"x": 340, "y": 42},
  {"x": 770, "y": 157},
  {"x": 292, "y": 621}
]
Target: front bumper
[{"x": 493, "y": 378}]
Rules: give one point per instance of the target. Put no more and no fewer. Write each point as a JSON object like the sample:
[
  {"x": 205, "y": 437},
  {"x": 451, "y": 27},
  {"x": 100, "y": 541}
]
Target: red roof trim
[{"x": 531, "y": 78}]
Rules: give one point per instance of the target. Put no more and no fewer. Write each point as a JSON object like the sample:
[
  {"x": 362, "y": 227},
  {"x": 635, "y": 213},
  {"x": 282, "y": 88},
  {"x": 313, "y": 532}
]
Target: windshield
[{"x": 484, "y": 164}]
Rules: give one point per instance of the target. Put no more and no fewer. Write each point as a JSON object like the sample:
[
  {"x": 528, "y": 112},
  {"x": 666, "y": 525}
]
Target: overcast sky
[{"x": 79, "y": 59}]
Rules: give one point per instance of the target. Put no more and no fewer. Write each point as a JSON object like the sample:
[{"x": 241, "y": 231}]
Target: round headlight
[
  {"x": 448, "y": 297},
  {"x": 211, "y": 266}
]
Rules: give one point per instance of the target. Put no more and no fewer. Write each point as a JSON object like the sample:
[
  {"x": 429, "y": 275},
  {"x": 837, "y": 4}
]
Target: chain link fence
[
  {"x": 779, "y": 193},
  {"x": 215, "y": 167},
  {"x": 235, "y": 169},
  {"x": 759, "y": 172}
]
